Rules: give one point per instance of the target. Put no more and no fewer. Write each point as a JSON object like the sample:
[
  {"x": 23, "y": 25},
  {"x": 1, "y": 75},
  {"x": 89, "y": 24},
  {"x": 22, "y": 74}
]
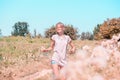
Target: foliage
[
  {"x": 106, "y": 30},
  {"x": 20, "y": 29},
  {"x": 49, "y": 32},
  {"x": 96, "y": 29},
  {"x": 35, "y": 32},
  {"x": 69, "y": 30},
  {"x": 39, "y": 36},
  {"x": 86, "y": 35},
  {"x": 0, "y": 33}
]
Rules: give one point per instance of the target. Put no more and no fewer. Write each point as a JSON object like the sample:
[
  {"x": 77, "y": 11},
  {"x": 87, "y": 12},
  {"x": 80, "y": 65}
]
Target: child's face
[{"x": 60, "y": 29}]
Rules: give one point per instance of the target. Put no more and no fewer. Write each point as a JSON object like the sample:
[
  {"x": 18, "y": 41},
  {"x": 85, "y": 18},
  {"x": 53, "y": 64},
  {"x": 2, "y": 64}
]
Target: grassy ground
[{"x": 21, "y": 57}]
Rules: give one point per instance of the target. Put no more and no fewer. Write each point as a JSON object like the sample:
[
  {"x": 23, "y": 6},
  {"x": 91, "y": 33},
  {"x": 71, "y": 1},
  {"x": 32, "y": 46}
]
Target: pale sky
[{"x": 42, "y": 14}]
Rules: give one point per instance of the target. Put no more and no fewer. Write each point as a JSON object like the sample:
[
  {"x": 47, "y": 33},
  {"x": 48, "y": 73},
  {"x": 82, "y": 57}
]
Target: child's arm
[
  {"x": 50, "y": 48},
  {"x": 72, "y": 47}
]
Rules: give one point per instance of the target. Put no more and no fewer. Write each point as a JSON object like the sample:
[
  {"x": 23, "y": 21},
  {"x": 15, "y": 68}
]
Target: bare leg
[
  {"x": 56, "y": 71},
  {"x": 55, "y": 68},
  {"x": 63, "y": 74}
]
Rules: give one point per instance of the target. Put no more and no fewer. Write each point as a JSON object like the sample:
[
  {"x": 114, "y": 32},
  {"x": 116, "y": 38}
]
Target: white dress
[{"x": 60, "y": 49}]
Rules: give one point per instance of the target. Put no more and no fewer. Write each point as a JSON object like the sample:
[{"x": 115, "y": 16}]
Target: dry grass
[{"x": 20, "y": 56}]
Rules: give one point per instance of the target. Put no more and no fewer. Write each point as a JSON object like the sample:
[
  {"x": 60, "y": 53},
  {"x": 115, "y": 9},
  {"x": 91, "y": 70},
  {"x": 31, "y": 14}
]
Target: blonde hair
[{"x": 60, "y": 23}]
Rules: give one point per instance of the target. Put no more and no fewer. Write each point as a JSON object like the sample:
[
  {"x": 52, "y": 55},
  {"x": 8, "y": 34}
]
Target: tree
[
  {"x": 49, "y": 32},
  {"x": 35, "y": 32},
  {"x": 109, "y": 28},
  {"x": 20, "y": 29},
  {"x": 82, "y": 36},
  {"x": 86, "y": 35},
  {"x": 72, "y": 32},
  {"x": 69, "y": 30},
  {"x": 0, "y": 33},
  {"x": 96, "y": 29}
]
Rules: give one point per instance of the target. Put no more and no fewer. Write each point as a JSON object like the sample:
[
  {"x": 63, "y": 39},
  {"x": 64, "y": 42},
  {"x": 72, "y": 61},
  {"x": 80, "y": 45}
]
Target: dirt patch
[{"x": 30, "y": 71}]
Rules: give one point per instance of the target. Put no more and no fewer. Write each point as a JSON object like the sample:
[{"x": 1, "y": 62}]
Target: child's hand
[
  {"x": 72, "y": 51},
  {"x": 43, "y": 49}
]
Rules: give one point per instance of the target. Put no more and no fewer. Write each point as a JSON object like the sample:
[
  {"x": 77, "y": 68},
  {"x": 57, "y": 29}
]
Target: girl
[{"x": 59, "y": 44}]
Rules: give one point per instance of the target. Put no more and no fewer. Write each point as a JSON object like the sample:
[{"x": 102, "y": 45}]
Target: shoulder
[
  {"x": 54, "y": 36},
  {"x": 67, "y": 36}
]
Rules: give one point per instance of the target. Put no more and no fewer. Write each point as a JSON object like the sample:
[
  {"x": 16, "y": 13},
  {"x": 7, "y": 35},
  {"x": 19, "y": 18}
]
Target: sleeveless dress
[{"x": 60, "y": 49}]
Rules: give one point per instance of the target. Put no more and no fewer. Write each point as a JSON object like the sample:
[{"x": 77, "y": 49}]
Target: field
[{"x": 21, "y": 59}]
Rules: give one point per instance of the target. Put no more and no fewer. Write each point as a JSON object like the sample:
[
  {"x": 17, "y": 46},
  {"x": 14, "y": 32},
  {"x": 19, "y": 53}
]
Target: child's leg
[
  {"x": 55, "y": 69},
  {"x": 56, "y": 72},
  {"x": 62, "y": 74}
]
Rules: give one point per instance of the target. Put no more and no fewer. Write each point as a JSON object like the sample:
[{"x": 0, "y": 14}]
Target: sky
[{"x": 42, "y": 14}]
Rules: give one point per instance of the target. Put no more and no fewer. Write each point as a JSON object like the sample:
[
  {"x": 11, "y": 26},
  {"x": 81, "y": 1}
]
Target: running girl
[{"x": 59, "y": 43}]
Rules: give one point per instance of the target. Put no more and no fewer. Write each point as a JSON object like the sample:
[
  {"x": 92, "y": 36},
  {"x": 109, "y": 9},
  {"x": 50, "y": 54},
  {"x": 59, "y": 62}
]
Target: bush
[
  {"x": 69, "y": 30},
  {"x": 107, "y": 29},
  {"x": 86, "y": 35}
]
